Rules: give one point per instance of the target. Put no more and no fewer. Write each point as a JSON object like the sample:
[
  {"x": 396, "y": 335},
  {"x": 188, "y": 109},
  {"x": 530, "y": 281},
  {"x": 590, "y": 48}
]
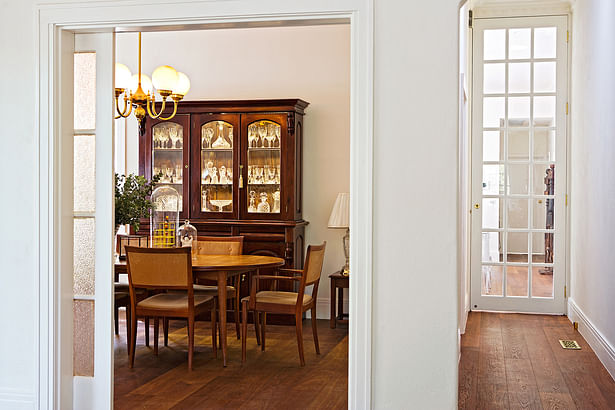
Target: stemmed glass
[
  {"x": 209, "y": 134},
  {"x": 278, "y": 130},
  {"x": 169, "y": 174},
  {"x": 271, "y": 170},
  {"x": 271, "y": 134},
  {"x": 251, "y": 135},
  {"x": 262, "y": 132},
  {"x": 173, "y": 136}
]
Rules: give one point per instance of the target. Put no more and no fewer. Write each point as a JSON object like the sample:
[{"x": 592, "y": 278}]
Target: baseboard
[
  {"x": 603, "y": 349},
  {"x": 323, "y": 308},
  {"x": 17, "y": 400}
]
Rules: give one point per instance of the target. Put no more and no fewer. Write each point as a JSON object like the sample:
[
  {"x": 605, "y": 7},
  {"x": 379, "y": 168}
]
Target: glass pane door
[
  {"x": 519, "y": 158},
  {"x": 264, "y": 160}
]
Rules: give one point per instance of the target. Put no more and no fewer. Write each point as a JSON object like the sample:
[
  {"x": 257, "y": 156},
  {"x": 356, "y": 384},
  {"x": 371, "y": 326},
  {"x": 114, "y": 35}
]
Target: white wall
[
  {"x": 415, "y": 185},
  {"x": 592, "y": 198},
  {"x": 312, "y": 63},
  {"x": 415, "y": 205}
]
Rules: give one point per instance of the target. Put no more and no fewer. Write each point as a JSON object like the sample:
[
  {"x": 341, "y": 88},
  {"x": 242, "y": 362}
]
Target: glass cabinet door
[
  {"x": 264, "y": 173},
  {"x": 169, "y": 142},
  {"x": 216, "y": 165}
]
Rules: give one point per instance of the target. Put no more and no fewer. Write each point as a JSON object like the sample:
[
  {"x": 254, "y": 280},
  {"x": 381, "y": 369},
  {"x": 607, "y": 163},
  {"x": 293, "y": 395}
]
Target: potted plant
[{"x": 132, "y": 199}]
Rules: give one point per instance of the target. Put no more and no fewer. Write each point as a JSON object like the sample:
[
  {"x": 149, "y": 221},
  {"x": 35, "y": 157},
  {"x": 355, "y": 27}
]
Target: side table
[{"x": 338, "y": 282}]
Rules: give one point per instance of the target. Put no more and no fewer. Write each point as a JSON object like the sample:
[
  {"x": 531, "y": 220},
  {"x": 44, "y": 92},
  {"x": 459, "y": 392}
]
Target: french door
[{"x": 519, "y": 164}]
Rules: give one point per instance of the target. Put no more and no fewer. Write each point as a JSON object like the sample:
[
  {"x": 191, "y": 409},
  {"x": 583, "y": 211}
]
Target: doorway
[{"x": 519, "y": 158}]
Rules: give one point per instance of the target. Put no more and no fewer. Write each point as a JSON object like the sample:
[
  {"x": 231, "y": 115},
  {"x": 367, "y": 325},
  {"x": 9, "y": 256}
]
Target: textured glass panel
[
  {"x": 492, "y": 280},
  {"x": 518, "y": 179},
  {"x": 517, "y": 213},
  {"x": 542, "y": 281},
  {"x": 545, "y": 42},
  {"x": 492, "y": 247},
  {"x": 543, "y": 173},
  {"x": 494, "y": 78},
  {"x": 84, "y": 173},
  {"x": 545, "y": 77},
  {"x": 519, "y": 78},
  {"x": 518, "y": 144},
  {"x": 494, "y": 44},
  {"x": 492, "y": 211},
  {"x": 85, "y": 91},
  {"x": 168, "y": 155},
  {"x": 493, "y": 146},
  {"x": 544, "y": 109},
  {"x": 517, "y": 247},
  {"x": 519, "y": 43},
  {"x": 543, "y": 217},
  {"x": 518, "y": 108},
  {"x": 217, "y": 167},
  {"x": 83, "y": 338},
  {"x": 516, "y": 281},
  {"x": 493, "y": 179},
  {"x": 493, "y": 111},
  {"x": 83, "y": 255},
  {"x": 544, "y": 144}
]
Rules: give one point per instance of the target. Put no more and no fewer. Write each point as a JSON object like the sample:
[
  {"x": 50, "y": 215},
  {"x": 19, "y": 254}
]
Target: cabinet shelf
[
  {"x": 217, "y": 149},
  {"x": 264, "y": 149},
  {"x": 168, "y": 149},
  {"x": 208, "y": 184}
]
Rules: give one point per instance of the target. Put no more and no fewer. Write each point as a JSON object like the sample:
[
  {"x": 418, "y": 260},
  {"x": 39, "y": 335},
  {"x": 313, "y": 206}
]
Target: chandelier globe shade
[
  {"x": 165, "y": 79},
  {"x": 122, "y": 76},
  {"x": 146, "y": 84},
  {"x": 183, "y": 84}
]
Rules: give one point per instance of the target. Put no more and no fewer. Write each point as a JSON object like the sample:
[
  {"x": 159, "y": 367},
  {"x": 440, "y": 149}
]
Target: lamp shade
[
  {"x": 146, "y": 83},
  {"x": 340, "y": 213},
  {"x": 183, "y": 84},
  {"x": 165, "y": 78},
  {"x": 122, "y": 76}
]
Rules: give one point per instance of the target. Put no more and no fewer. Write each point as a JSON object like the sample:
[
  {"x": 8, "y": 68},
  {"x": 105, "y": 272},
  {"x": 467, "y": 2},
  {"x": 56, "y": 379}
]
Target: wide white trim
[
  {"x": 601, "y": 346},
  {"x": 17, "y": 399},
  {"x": 54, "y": 18}
]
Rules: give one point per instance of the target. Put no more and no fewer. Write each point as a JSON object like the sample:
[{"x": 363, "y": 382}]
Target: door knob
[{"x": 477, "y": 206}]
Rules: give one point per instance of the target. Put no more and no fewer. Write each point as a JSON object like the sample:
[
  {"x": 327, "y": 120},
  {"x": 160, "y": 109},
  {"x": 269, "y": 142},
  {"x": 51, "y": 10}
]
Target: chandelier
[{"x": 138, "y": 90}]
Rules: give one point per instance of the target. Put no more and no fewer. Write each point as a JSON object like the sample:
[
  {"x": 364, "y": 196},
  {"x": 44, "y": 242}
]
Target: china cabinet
[{"x": 238, "y": 168}]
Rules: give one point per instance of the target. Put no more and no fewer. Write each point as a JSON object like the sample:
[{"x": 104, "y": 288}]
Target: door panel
[{"x": 519, "y": 164}]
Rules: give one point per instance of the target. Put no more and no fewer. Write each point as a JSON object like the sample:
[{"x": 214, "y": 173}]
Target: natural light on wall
[{"x": 84, "y": 207}]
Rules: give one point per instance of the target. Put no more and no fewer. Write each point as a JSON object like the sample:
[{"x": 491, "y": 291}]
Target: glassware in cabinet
[
  {"x": 264, "y": 166},
  {"x": 168, "y": 155}
]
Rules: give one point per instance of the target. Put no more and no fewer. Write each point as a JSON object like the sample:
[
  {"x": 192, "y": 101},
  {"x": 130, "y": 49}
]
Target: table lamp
[{"x": 339, "y": 220}]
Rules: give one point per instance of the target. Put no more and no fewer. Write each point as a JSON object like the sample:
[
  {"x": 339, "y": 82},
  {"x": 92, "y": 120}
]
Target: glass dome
[
  {"x": 188, "y": 237},
  {"x": 164, "y": 218}
]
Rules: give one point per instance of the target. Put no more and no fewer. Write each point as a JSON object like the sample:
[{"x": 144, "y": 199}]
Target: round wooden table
[{"x": 220, "y": 268}]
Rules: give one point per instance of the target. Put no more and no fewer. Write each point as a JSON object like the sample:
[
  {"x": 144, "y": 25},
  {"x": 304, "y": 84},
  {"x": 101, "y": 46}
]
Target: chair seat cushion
[
  {"x": 172, "y": 301},
  {"x": 213, "y": 290},
  {"x": 279, "y": 298}
]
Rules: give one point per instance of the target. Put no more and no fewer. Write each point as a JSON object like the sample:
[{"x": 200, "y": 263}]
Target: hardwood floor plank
[
  {"x": 521, "y": 385},
  {"x": 472, "y": 333},
  {"x": 546, "y": 370},
  {"x": 557, "y": 401},
  {"x": 468, "y": 378}
]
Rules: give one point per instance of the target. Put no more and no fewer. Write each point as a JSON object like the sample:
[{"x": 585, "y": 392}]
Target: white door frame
[
  {"x": 54, "y": 390},
  {"x": 557, "y": 305}
]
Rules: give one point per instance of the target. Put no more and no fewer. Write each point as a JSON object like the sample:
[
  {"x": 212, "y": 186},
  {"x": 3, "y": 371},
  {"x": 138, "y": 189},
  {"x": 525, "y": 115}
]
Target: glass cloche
[
  {"x": 164, "y": 218},
  {"x": 187, "y": 235}
]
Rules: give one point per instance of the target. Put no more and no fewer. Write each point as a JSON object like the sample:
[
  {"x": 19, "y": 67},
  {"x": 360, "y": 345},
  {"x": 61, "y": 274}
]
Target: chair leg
[
  {"x": 314, "y": 330},
  {"x": 165, "y": 325},
  {"x": 263, "y": 326},
  {"x": 257, "y": 318},
  {"x": 128, "y": 329},
  {"x": 116, "y": 315},
  {"x": 190, "y": 341},
  {"x": 237, "y": 304},
  {"x": 244, "y": 330},
  {"x": 147, "y": 331},
  {"x": 156, "y": 330},
  {"x": 299, "y": 327},
  {"x": 214, "y": 327},
  {"x": 133, "y": 338}
]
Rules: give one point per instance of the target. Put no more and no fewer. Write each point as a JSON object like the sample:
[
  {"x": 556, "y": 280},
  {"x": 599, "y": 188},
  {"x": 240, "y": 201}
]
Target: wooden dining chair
[
  {"x": 165, "y": 269},
  {"x": 217, "y": 245},
  {"x": 290, "y": 303}
]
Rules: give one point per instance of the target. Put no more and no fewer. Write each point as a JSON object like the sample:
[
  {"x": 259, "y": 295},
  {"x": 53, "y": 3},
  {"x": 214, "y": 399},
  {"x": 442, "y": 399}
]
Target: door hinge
[
  {"x": 566, "y": 199},
  {"x": 564, "y": 291},
  {"x": 566, "y": 108},
  {"x": 567, "y": 36},
  {"x": 470, "y": 18}
]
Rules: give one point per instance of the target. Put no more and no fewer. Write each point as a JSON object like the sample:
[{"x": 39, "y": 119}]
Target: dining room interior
[{"x": 250, "y": 170}]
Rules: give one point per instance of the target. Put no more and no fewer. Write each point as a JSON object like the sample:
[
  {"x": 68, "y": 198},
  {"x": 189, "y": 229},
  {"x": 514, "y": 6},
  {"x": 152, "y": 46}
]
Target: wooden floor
[
  {"x": 513, "y": 361},
  {"x": 269, "y": 380}
]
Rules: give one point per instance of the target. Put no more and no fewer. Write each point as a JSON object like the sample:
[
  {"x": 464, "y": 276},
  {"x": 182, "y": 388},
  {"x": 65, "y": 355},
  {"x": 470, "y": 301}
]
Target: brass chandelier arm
[
  {"x": 152, "y": 111},
  {"x": 127, "y": 107},
  {"x": 173, "y": 114}
]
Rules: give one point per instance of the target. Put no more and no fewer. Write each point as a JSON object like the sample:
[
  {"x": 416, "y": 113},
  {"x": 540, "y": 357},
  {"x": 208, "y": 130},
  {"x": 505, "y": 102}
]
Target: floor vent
[{"x": 570, "y": 344}]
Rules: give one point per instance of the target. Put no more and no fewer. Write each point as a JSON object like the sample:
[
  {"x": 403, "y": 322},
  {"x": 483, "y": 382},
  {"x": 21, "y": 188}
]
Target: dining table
[{"x": 220, "y": 268}]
